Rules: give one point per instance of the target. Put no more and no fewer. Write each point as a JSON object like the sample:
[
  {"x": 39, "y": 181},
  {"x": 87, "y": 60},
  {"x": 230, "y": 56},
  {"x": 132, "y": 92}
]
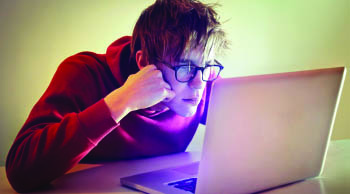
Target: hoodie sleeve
[{"x": 67, "y": 122}]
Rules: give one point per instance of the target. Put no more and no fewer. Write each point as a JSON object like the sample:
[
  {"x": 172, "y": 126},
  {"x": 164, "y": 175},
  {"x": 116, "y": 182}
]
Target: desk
[{"x": 104, "y": 178}]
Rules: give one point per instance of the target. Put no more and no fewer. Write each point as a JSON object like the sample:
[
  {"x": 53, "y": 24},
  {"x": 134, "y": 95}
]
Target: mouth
[{"x": 192, "y": 101}]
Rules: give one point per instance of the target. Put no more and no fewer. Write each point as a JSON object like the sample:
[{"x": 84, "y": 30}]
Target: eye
[
  {"x": 184, "y": 63},
  {"x": 187, "y": 69},
  {"x": 211, "y": 62}
]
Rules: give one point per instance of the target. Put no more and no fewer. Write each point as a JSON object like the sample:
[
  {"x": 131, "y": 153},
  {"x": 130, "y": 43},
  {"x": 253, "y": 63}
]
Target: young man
[{"x": 145, "y": 97}]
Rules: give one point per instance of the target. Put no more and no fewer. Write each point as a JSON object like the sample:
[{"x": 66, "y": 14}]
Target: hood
[{"x": 118, "y": 59}]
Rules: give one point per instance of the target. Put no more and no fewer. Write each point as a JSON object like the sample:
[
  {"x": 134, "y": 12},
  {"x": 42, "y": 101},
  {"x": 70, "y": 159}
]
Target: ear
[{"x": 140, "y": 60}]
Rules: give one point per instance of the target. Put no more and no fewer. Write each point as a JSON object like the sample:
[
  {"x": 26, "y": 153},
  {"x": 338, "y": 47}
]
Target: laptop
[{"x": 262, "y": 131}]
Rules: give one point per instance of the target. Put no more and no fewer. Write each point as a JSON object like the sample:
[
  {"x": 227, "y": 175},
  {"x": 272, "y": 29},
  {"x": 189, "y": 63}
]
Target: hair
[{"x": 172, "y": 27}]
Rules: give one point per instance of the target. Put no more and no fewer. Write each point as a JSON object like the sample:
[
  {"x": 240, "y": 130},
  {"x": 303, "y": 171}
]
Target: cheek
[
  {"x": 169, "y": 77},
  {"x": 178, "y": 87},
  {"x": 180, "y": 92}
]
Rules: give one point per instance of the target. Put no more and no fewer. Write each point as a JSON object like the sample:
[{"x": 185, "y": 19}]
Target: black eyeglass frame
[{"x": 175, "y": 68}]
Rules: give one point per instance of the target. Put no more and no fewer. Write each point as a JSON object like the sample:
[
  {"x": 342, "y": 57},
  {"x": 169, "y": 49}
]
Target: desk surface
[{"x": 104, "y": 178}]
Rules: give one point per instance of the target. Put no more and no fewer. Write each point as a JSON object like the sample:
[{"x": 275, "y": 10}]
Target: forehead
[{"x": 197, "y": 55}]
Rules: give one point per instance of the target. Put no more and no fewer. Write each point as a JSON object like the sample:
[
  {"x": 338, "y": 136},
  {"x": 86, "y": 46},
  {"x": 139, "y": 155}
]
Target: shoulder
[
  {"x": 84, "y": 60},
  {"x": 81, "y": 71},
  {"x": 87, "y": 65}
]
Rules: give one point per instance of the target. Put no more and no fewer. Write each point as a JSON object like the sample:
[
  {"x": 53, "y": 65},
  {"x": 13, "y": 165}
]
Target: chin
[
  {"x": 186, "y": 112},
  {"x": 181, "y": 109}
]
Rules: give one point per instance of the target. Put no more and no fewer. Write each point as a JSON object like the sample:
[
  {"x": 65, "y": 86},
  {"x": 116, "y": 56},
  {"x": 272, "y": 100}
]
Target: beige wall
[{"x": 267, "y": 36}]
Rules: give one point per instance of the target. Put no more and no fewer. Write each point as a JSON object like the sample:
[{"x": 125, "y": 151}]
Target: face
[{"x": 189, "y": 94}]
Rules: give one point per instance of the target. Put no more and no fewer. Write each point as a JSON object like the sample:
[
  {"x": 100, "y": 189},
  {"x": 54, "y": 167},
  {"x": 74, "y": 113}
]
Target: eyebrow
[
  {"x": 185, "y": 61},
  {"x": 192, "y": 62}
]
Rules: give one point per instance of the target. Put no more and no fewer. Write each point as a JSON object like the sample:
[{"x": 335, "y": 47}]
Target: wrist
[{"x": 117, "y": 104}]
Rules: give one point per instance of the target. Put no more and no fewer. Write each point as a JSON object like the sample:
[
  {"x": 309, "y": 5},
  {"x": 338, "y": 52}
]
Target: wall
[{"x": 267, "y": 36}]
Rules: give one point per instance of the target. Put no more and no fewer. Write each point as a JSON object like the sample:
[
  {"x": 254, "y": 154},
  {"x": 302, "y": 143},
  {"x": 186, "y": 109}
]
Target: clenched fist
[{"x": 141, "y": 90}]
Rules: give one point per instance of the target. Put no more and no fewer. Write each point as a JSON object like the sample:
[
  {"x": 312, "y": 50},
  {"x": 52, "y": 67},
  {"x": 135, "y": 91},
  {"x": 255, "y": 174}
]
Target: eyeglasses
[{"x": 186, "y": 71}]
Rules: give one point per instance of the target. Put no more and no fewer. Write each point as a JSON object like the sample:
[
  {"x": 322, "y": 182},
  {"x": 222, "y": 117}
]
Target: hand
[
  {"x": 160, "y": 107},
  {"x": 141, "y": 90},
  {"x": 146, "y": 88}
]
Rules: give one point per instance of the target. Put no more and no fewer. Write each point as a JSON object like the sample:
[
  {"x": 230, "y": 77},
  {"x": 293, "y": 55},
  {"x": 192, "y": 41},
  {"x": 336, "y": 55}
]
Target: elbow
[
  {"x": 24, "y": 179},
  {"x": 22, "y": 182}
]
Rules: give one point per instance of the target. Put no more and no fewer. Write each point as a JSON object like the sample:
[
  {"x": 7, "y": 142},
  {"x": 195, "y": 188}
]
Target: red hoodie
[{"x": 71, "y": 122}]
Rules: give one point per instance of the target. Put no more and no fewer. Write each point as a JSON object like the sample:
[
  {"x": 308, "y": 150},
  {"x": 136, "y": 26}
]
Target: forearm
[
  {"x": 46, "y": 151},
  {"x": 142, "y": 90},
  {"x": 118, "y": 104},
  {"x": 43, "y": 154}
]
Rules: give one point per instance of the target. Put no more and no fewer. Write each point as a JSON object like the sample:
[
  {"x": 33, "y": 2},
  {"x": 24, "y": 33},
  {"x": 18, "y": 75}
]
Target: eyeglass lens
[
  {"x": 186, "y": 73},
  {"x": 211, "y": 73}
]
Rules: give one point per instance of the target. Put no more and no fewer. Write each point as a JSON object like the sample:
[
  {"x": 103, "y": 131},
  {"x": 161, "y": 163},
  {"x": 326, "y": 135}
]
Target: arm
[
  {"x": 64, "y": 125},
  {"x": 60, "y": 131}
]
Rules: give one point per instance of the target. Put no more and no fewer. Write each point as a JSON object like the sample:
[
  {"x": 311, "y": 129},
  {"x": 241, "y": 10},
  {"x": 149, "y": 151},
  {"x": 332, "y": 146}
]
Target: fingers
[
  {"x": 150, "y": 71},
  {"x": 169, "y": 95},
  {"x": 149, "y": 84},
  {"x": 159, "y": 107},
  {"x": 149, "y": 68}
]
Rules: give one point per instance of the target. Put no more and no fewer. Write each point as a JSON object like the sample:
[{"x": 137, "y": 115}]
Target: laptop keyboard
[{"x": 186, "y": 184}]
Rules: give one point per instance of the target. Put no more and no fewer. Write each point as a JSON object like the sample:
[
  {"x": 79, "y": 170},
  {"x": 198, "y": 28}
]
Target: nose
[{"x": 197, "y": 82}]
